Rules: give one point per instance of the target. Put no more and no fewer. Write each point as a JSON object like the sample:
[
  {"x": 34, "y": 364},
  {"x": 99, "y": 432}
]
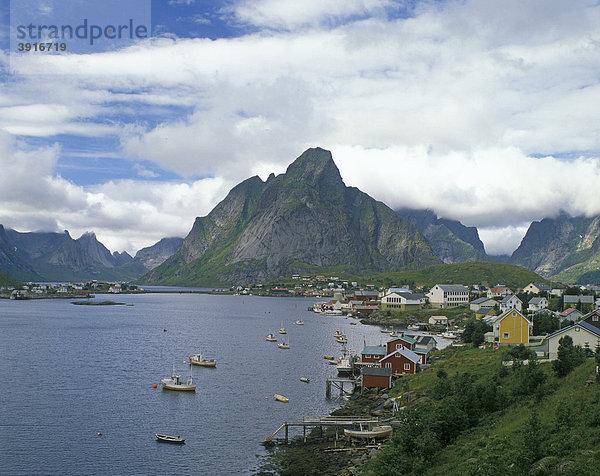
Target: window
[
  {"x": 389, "y": 365},
  {"x": 595, "y": 317},
  {"x": 506, "y": 335},
  {"x": 406, "y": 366}
]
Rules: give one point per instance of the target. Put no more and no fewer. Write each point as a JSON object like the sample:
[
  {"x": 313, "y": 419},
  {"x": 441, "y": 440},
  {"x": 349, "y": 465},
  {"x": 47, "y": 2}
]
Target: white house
[
  {"x": 448, "y": 295},
  {"x": 499, "y": 291},
  {"x": 536, "y": 288},
  {"x": 537, "y": 304},
  {"x": 438, "y": 320},
  {"x": 582, "y": 333},
  {"x": 403, "y": 301},
  {"x": 511, "y": 302},
  {"x": 477, "y": 304}
]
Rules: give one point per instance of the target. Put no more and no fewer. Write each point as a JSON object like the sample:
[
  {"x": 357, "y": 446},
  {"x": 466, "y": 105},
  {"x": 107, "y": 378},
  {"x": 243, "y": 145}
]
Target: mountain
[
  {"x": 157, "y": 254},
  {"x": 6, "y": 281},
  {"x": 566, "y": 248},
  {"x": 305, "y": 220},
  {"x": 58, "y": 257},
  {"x": 12, "y": 263},
  {"x": 450, "y": 240}
]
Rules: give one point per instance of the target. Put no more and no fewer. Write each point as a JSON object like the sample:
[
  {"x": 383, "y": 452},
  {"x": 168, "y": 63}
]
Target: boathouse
[{"x": 376, "y": 377}]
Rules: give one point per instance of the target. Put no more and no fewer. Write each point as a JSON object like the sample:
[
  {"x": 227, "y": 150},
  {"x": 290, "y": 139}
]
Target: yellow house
[
  {"x": 484, "y": 312},
  {"x": 511, "y": 327}
]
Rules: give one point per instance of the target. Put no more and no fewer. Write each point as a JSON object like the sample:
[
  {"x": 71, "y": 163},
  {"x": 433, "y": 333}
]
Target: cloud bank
[{"x": 482, "y": 111}]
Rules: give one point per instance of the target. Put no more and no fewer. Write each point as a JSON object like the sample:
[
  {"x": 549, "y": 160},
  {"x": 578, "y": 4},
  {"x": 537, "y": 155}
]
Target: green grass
[
  {"x": 6, "y": 281},
  {"x": 552, "y": 428}
]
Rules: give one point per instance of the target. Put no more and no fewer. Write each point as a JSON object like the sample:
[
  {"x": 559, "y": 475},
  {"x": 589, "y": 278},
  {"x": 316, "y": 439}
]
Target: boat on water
[
  {"x": 337, "y": 334},
  {"x": 299, "y": 322},
  {"x": 328, "y": 357},
  {"x": 344, "y": 367},
  {"x": 353, "y": 323},
  {"x": 414, "y": 327},
  {"x": 385, "y": 331},
  {"x": 282, "y": 331},
  {"x": 449, "y": 335},
  {"x": 270, "y": 338},
  {"x": 283, "y": 345},
  {"x": 342, "y": 339},
  {"x": 198, "y": 359},
  {"x": 377, "y": 432},
  {"x": 334, "y": 362},
  {"x": 304, "y": 379},
  {"x": 332, "y": 312},
  {"x": 281, "y": 398},
  {"x": 177, "y": 440},
  {"x": 176, "y": 383},
  {"x": 393, "y": 334}
]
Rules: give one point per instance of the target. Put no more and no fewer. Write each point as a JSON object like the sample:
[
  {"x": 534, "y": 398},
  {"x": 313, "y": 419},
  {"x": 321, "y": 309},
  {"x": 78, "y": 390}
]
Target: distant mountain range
[
  {"x": 303, "y": 221},
  {"x": 450, "y": 240},
  {"x": 40, "y": 256},
  {"x": 564, "y": 248}
]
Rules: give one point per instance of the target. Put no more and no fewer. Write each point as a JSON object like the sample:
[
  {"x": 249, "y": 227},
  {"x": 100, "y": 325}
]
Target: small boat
[
  {"x": 334, "y": 362},
  {"x": 345, "y": 366},
  {"x": 304, "y": 379},
  {"x": 282, "y": 331},
  {"x": 271, "y": 338},
  {"x": 393, "y": 334},
  {"x": 353, "y": 323},
  {"x": 382, "y": 431},
  {"x": 449, "y": 335},
  {"x": 281, "y": 398},
  {"x": 337, "y": 334},
  {"x": 342, "y": 340},
  {"x": 176, "y": 383},
  {"x": 197, "y": 359},
  {"x": 385, "y": 331},
  {"x": 299, "y": 322},
  {"x": 328, "y": 357},
  {"x": 332, "y": 312},
  {"x": 283, "y": 345},
  {"x": 177, "y": 440}
]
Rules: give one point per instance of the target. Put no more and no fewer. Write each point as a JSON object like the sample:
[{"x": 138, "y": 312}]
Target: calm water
[{"x": 69, "y": 372}]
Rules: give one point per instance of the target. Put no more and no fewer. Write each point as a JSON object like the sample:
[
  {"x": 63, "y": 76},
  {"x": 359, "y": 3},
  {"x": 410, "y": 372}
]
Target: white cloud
[
  {"x": 290, "y": 14},
  {"x": 444, "y": 109}
]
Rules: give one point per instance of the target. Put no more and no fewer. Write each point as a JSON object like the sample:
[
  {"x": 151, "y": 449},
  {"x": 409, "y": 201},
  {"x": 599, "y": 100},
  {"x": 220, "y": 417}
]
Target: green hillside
[
  {"x": 586, "y": 272},
  {"x": 476, "y": 417},
  {"x": 6, "y": 280},
  {"x": 463, "y": 273}
]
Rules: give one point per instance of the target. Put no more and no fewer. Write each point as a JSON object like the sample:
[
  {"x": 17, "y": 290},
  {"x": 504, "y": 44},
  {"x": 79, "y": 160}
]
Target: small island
[{"x": 99, "y": 303}]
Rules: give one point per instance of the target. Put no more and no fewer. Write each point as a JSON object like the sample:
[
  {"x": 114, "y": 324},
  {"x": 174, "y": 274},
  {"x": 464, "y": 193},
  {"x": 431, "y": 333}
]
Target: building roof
[
  {"x": 542, "y": 286},
  {"x": 424, "y": 340},
  {"x": 508, "y": 298},
  {"x": 566, "y": 312},
  {"x": 412, "y": 296},
  {"x": 398, "y": 290},
  {"x": 498, "y": 289},
  {"x": 593, "y": 329},
  {"x": 579, "y": 298},
  {"x": 453, "y": 287},
  {"x": 376, "y": 371},
  {"x": 535, "y": 300},
  {"x": 481, "y": 299},
  {"x": 374, "y": 350},
  {"x": 409, "y": 354},
  {"x": 405, "y": 338}
]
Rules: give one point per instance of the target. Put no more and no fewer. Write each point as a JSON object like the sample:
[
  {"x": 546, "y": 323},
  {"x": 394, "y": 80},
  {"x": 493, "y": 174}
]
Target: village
[{"x": 536, "y": 317}]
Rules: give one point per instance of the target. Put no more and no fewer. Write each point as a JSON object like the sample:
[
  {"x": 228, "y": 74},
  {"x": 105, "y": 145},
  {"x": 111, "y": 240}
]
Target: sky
[{"x": 484, "y": 111}]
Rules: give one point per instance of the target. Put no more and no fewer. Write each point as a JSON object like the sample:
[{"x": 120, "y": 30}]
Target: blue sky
[{"x": 483, "y": 111}]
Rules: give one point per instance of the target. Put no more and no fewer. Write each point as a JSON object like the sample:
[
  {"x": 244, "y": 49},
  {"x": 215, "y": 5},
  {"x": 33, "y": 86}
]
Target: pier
[
  {"x": 337, "y": 382},
  {"x": 331, "y": 421}
]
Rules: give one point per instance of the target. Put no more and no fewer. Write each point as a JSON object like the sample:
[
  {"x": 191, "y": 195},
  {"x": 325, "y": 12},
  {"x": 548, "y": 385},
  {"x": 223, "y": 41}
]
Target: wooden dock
[
  {"x": 331, "y": 421},
  {"x": 339, "y": 383}
]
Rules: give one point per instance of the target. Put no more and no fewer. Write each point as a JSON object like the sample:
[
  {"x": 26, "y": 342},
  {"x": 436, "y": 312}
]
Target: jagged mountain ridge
[
  {"x": 301, "y": 221},
  {"x": 12, "y": 263},
  {"x": 153, "y": 256},
  {"x": 566, "y": 248},
  {"x": 451, "y": 241}
]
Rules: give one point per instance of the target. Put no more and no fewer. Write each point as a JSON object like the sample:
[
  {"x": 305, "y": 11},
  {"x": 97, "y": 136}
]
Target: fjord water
[{"x": 70, "y": 372}]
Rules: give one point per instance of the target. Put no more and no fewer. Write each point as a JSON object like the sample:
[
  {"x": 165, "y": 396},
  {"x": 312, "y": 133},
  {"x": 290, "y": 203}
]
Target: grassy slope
[
  {"x": 465, "y": 273},
  {"x": 567, "y": 413},
  {"x": 6, "y": 280}
]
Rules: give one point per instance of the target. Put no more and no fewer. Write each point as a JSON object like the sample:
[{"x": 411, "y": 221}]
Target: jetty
[
  {"x": 336, "y": 422},
  {"x": 339, "y": 383}
]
